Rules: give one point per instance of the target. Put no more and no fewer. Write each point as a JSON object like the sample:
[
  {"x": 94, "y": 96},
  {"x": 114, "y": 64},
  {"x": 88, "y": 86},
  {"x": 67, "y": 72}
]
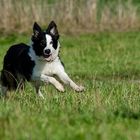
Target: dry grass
[{"x": 70, "y": 15}]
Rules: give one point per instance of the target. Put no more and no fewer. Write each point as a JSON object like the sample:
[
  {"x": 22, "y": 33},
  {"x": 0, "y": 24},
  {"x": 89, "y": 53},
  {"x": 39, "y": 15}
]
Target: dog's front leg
[
  {"x": 37, "y": 88},
  {"x": 47, "y": 79},
  {"x": 53, "y": 81},
  {"x": 66, "y": 79}
]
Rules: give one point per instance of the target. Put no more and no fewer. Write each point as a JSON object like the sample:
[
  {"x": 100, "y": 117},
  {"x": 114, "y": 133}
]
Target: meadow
[
  {"x": 108, "y": 65},
  {"x": 100, "y": 47}
]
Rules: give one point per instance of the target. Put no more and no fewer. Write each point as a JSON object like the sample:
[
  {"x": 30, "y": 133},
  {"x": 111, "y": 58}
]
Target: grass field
[{"x": 108, "y": 65}]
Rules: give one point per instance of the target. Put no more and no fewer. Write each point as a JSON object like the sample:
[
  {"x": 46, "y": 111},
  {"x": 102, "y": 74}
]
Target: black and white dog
[{"x": 36, "y": 62}]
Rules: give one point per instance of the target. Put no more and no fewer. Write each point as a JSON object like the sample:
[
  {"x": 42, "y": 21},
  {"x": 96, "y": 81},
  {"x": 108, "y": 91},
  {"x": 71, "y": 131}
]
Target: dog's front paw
[
  {"x": 39, "y": 94},
  {"x": 79, "y": 88},
  {"x": 60, "y": 87}
]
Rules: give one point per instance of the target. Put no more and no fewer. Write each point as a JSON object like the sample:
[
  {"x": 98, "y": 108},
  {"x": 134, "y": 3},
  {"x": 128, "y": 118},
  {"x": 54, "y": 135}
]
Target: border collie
[{"x": 36, "y": 62}]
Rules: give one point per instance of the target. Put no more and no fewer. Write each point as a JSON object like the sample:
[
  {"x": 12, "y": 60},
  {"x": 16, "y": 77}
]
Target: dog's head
[{"x": 45, "y": 43}]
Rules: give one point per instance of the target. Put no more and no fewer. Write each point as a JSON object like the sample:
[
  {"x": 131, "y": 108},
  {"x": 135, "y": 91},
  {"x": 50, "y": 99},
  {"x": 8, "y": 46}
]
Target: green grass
[{"x": 108, "y": 65}]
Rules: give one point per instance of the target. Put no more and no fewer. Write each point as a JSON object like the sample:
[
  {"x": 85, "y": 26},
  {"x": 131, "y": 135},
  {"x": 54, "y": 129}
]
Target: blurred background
[{"x": 72, "y": 16}]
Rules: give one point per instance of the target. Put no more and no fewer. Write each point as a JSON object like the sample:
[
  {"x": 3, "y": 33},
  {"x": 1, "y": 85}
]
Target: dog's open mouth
[{"x": 47, "y": 55}]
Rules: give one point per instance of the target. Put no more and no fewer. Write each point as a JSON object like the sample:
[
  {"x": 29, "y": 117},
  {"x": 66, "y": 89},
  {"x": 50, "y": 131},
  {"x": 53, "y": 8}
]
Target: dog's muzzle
[{"x": 47, "y": 53}]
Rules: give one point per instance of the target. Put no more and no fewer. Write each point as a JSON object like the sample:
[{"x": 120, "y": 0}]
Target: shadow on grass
[{"x": 127, "y": 114}]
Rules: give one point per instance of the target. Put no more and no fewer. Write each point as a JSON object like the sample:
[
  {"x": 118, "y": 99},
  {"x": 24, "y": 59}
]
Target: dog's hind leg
[
  {"x": 8, "y": 82},
  {"x": 4, "y": 91}
]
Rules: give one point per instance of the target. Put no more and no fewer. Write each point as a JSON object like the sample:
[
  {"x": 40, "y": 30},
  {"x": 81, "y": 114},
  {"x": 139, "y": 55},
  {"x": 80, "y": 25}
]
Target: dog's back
[{"x": 17, "y": 65}]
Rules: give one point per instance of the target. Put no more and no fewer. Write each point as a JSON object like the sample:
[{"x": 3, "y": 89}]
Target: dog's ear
[
  {"x": 52, "y": 30},
  {"x": 37, "y": 32}
]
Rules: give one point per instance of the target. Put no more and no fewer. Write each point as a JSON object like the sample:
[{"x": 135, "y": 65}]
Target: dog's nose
[{"x": 47, "y": 51}]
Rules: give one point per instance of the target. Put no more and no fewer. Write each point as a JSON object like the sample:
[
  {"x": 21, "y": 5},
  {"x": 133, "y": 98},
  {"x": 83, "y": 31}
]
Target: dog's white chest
[
  {"x": 49, "y": 69},
  {"x": 43, "y": 67}
]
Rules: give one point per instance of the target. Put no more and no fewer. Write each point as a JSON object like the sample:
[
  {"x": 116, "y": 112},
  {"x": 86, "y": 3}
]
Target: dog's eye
[
  {"x": 42, "y": 43},
  {"x": 51, "y": 42}
]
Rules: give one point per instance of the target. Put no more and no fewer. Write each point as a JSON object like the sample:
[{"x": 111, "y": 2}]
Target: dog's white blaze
[
  {"x": 48, "y": 41},
  {"x": 54, "y": 53}
]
